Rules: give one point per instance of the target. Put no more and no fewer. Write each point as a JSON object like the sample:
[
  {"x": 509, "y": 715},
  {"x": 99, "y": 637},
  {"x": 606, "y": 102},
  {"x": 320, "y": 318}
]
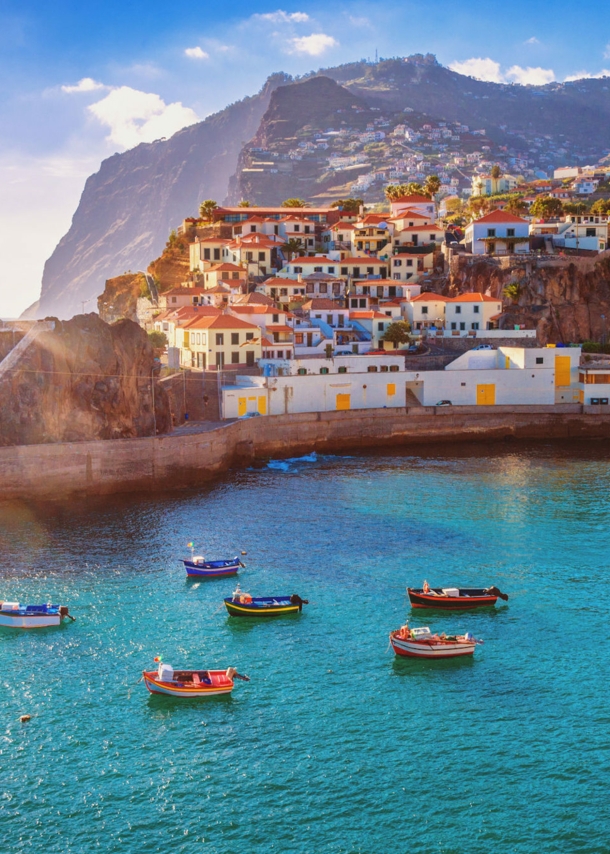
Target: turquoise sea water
[{"x": 334, "y": 745}]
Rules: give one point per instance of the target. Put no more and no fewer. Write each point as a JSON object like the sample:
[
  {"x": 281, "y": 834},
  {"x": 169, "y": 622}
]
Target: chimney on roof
[{"x": 300, "y": 277}]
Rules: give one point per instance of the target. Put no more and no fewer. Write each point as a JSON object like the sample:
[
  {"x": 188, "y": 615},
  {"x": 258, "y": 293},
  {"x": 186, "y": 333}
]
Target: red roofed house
[
  {"x": 216, "y": 341},
  {"x": 420, "y": 204},
  {"x": 472, "y": 312},
  {"x": 498, "y": 233}
]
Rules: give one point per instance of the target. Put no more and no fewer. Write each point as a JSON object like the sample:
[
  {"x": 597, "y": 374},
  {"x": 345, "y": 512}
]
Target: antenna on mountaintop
[{"x": 376, "y": 57}]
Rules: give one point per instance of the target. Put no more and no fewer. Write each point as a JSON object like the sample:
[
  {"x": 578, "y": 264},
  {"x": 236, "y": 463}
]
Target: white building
[
  {"x": 496, "y": 233},
  {"x": 509, "y": 376}
]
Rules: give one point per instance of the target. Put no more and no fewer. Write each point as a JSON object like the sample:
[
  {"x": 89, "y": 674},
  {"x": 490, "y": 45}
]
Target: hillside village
[{"x": 273, "y": 293}]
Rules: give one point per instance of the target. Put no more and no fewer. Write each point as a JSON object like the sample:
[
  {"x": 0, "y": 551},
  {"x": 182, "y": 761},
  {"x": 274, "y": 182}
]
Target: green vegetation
[
  {"x": 397, "y": 333},
  {"x": 350, "y": 205},
  {"x": 295, "y": 203},
  {"x": 244, "y": 204},
  {"x": 513, "y": 290},
  {"x": 432, "y": 185},
  {"x": 546, "y": 206},
  {"x": 393, "y": 192},
  {"x": 157, "y": 339},
  {"x": 496, "y": 172}
]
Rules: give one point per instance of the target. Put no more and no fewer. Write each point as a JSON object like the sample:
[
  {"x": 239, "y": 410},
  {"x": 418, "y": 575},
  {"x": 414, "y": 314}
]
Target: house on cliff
[{"x": 497, "y": 233}]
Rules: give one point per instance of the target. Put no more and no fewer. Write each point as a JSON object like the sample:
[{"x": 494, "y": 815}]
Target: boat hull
[
  {"x": 468, "y": 600},
  {"x": 29, "y": 621},
  {"x": 261, "y": 608},
  {"x": 212, "y": 568},
  {"x": 431, "y": 648},
  {"x": 219, "y": 687}
]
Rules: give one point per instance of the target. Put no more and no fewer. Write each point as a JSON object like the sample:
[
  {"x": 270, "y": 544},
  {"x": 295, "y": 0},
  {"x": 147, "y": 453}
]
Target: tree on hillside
[
  {"x": 477, "y": 206},
  {"x": 545, "y": 207},
  {"x": 432, "y": 185},
  {"x": 397, "y": 333},
  {"x": 244, "y": 204},
  {"x": 350, "y": 205},
  {"x": 600, "y": 208},
  {"x": 496, "y": 172},
  {"x": 516, "y": 206},
  {"x": 207, "y": 208},
  {"x": 294, "y": 203}
]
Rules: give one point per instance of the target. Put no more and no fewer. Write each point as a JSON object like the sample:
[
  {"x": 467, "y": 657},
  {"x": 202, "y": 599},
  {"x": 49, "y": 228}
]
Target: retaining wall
[{"x": 62, "y": 470}]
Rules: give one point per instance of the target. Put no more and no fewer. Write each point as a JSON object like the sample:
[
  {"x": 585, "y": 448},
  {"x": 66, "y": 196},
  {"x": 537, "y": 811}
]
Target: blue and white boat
[
  {"x": 198, "y": 567},
  {"x": 16, "y": 616}
]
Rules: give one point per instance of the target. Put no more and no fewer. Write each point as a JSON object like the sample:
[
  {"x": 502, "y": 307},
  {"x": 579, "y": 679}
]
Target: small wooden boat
[
  {"x": 190, "y": 683},
  {"x": 16, "y": 616},
  {"x": 243, "y": 605},
  {"x": 450, "y": 598},
  {"x": 198, "y": 567},
  {"x": 421, "y": 643}
]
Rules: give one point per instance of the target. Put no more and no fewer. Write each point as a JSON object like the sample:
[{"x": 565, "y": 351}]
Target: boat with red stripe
[
  {"x": 190, "y": 684},
  {"x": 421, "y": 643},
  {"x": 454, "y": 598}
]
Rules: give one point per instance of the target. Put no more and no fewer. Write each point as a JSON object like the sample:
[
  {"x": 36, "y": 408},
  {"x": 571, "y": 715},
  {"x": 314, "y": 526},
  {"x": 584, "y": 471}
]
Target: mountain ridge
[{"x": 128, "y": 208}]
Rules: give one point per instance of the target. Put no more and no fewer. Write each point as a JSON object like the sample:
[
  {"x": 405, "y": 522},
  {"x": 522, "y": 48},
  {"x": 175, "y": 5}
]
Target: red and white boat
[
  {"x": 421, "y": 643},
  {"x": 190, "y": 683}
]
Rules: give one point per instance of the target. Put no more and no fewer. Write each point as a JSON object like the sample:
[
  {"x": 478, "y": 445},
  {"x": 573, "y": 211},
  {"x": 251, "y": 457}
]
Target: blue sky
[{"x": 81, "y": 81}]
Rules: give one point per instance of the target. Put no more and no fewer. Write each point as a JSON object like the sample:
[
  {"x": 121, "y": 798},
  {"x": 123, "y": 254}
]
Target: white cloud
[
  {"x": 196, "y": 53},
  {"x": 87, "y": 84},
  {"x": 607, "y": 51},
  {"x": 281, "y": 17},
  {"x": 585, "y": 75},
  {"x": 483, "y": 69},
  {"x": 359, "y": 22},
  {"x": 530, "y": 76},
  {"x": 313, "y": 45},
  {"x": 489, "y": 70},
  {"x": 134, "y": 117},
  {"x": 533, "y": 40}
]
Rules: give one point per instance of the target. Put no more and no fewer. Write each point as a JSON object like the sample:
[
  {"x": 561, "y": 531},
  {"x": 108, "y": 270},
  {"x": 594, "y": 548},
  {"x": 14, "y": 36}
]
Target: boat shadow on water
[
  {"x": 165, "y": 703},
  {"x": 403, "y": 666}
]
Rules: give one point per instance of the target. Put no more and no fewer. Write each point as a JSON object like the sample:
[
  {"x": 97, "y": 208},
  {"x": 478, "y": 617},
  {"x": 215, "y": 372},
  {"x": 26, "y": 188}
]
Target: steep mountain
[
  {"x": 129, "y": 207},
  {"x": 248, "y": 151}
]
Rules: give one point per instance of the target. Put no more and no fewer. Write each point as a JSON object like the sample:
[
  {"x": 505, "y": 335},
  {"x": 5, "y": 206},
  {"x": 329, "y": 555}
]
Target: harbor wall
[{"x": 62, "y": 470}]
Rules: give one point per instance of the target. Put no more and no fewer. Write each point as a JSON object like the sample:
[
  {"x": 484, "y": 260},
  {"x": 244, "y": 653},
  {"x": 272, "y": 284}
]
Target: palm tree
[
  {"x": 293, "y": 246},
  {"x": 393, "y": 192},
  {"x": 432, "y": 185},
  {"x": 295, "y": 203},
  {"x": 207, "y": 208},
  {"x": 244, "y": 204}
]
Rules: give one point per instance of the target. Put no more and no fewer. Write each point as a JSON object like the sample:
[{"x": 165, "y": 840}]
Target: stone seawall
[{"x": 57, "y": 471}]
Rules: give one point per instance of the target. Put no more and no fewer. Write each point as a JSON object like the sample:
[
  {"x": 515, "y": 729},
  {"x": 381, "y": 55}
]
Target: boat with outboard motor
[
  {"x": 241, "y": 604},
  {"x": 190, "y": 684},
  {"x": 16, "y": 616},
  {"x": 421, "y": 643},
  {"x": 198, "y": 567},
  {"x": 450, "y": 598}
]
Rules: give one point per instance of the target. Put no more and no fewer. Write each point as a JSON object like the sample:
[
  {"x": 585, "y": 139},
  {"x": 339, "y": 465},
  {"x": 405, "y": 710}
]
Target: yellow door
[
  {"x": 391, "y": 389},
  {"x": 344, "y": 401},
  {"x": 486, "y": 395},
  {"x": 262, "y": 405},
  {"x": 241, "y": 406},
  {"x": 562, "y": 370}
]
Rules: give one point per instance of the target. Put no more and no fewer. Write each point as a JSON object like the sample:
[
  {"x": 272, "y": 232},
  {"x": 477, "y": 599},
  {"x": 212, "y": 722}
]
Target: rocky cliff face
[
  {"x": 84, "y": 380},
  {"x": 566, "y": 300},
  {"x": 129, "y": 207}
]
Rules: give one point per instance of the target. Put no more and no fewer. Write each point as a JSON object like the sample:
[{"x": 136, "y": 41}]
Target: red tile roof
[
  {"x": 320, "y": 259},
  {"x": 471, "y": 297},
  {"x": 500, "y": 216},
  {"x": 221, "y": 321},
  {"x": 321, "y": 304},
  {"x": 427, "y": 296}
]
